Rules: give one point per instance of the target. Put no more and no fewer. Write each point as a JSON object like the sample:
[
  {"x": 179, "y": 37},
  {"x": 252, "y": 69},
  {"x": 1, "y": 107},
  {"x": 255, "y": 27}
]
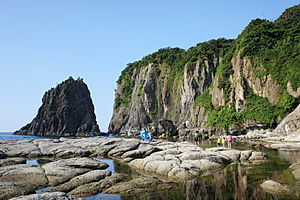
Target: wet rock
[
  {"x": 2, "y": 155},
  {"x": 63, "y": 170},
  {"x": 94, "y": 188},
  {"x": 295, "y": 168},
  {"x": 43, "y": 161},
  {"x": 12, "y": 161},
  {"x": 92, "y": 176},
  {"x": 135, "y": 186},
  {"x": 47, "y": 196},
  {"x": 274, "y": 187},
  {"x": 21, "y": 179}
]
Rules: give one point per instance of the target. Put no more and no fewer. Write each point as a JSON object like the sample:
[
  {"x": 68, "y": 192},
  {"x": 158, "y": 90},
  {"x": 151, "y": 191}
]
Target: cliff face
[
  {"x": 236, "y": 84},
  {"x": 154, "y": 97},
  {"x": 67, "y": 110}
]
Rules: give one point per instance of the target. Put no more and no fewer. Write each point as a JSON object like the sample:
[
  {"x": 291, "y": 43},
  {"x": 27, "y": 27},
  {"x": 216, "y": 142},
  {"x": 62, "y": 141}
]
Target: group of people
[
  {"x": 223, "y": 140},
  {"x": 220, "y": 141}
]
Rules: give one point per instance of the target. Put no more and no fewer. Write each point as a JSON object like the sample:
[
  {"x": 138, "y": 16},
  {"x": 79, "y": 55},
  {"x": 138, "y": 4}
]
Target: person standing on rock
[
  {"x": 229, "y": 139},
  {"x": 223, "y": 141},
  {"x": 196, "y": 139},
  {"x": 219, "y": 141}
]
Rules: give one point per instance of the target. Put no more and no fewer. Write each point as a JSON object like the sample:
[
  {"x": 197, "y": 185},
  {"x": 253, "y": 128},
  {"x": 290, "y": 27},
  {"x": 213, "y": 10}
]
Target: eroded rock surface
[
  {"x": 85, "y": 176},
  {"x": 63, "y": 170},
  {"x": 184, "y": 161},
  {"x": 97, "y": 187}
]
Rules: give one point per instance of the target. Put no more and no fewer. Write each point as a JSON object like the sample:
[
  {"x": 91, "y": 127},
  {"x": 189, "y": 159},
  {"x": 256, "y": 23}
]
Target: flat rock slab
[
  {"x": 60, "y": 149},
  {"x": 91, "y": 189},
  {"x": 184, "y": 161},
  {"x": 63, "y": 170},
  {"x": 48, "y": 196},
  {"x": 91, "y": 176},
  {"x": 12, "y": 161},
  {"x": 19, "y": 148},
  {"x": 135, "y": 186},
  {"x": 20, "y": 179}
]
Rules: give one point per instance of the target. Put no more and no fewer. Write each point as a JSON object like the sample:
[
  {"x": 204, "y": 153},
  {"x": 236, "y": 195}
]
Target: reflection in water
[
  {"x": 231, "y": 183},
  {"x": 236, "y": 181},
  {"x": 104, "y": 197},
  {"x": 32, "y": 162}
]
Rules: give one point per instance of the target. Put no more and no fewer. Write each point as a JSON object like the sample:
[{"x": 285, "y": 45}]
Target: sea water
[{"x": 10, "y": 136}]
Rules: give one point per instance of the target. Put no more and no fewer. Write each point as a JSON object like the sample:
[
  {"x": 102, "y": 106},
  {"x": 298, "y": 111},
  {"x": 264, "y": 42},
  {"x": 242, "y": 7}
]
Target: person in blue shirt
[{"x": 145, "y": 135}]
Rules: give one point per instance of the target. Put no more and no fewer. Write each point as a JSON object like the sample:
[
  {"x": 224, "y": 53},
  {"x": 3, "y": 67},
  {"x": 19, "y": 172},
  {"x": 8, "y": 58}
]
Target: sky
[{"x": 43, "y": 42}]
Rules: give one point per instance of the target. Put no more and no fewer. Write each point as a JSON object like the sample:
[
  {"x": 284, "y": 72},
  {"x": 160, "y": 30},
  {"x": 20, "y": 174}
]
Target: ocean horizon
[{"x": 10, "y": 136}]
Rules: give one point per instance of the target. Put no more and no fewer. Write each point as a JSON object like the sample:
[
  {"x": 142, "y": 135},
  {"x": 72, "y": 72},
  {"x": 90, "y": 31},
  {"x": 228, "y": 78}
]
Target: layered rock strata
[{"x": 67, "y": 110}]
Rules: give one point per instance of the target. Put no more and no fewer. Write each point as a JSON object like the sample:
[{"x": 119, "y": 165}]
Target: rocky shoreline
[{"x": 67, "y": 165}]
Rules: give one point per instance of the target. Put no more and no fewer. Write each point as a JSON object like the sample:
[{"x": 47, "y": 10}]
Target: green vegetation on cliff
[
  {"x": 273, "y": 49},
  {"x": 173, "y": 59}
]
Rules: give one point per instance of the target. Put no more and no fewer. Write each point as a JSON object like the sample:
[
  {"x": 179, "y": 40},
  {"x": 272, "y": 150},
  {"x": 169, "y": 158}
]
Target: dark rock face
[{"x": 67, "y": 110}]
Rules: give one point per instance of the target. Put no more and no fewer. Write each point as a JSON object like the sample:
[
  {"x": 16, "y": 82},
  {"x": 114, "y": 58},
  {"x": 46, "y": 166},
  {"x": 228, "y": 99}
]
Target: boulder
[
  {"x": 167, "y": 127},
  {"x": 276, "y": 188}
]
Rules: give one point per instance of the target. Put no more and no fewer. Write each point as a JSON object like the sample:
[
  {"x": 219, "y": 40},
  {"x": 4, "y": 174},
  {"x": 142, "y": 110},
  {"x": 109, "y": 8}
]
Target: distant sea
[{"x": 10, "y": 136}]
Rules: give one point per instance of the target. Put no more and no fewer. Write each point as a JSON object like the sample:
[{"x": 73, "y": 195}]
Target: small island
[{"x": 67, "y": 110}]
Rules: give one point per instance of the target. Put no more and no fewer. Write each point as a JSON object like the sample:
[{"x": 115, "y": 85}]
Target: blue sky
[{"x": 43, "y": 42}]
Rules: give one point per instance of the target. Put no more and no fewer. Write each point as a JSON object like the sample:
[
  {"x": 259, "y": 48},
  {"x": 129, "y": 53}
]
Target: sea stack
[{"x": 67, "y": 110}]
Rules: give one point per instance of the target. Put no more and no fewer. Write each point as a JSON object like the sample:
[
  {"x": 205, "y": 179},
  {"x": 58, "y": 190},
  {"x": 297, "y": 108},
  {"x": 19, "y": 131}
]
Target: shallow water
[{"x": 236, "y": 181}]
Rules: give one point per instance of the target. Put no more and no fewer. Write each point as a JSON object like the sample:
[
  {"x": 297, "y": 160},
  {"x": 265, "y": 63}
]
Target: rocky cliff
[
  {"x": 67, "y": 110},
  {"x": 220, "y": 84}
]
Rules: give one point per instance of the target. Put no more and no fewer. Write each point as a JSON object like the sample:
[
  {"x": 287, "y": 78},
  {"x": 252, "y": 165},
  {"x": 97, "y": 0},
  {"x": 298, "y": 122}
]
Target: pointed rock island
[{"x": 67, "y": 110}]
